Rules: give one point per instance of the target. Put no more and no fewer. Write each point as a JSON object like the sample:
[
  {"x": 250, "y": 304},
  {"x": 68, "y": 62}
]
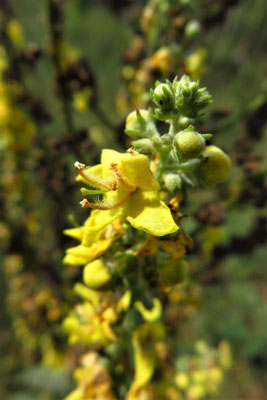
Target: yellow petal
[
  {"x": 149, "y": 315},
  {"x": 135, "y": 171},
  {"x": 71, "y": 259},
  {"x": 84, "y": 254},
  {"x": 114, "y": 199},
  {"x": 174, "y": 248},
  {"x": 147, "y": 213},
  {"x": 107, "y": 330},
  {"x": 77, "y": 394},
  {"x": 149, "y": 247},
  {"x": 86, "y": 293},
  {"x": 109, "y": 157},
  {"x": 80, "y": 253},
  {"x": 97, "y": 222},
  {"x": 96, "y": 275},
  {"x": 144, "y": 365},
  {"x": 124, "y": 302},
  {"x": 75, "y": 233},
  {"x": 93, "y": 177}
]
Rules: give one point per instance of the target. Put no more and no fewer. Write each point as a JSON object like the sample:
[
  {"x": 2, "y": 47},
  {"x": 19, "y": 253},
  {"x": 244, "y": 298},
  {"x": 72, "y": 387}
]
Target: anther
[{"x": 79, "y": 165}]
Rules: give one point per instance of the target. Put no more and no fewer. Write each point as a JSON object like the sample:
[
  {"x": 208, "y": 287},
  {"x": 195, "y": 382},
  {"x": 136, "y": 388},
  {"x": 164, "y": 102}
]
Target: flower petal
[
  {"x": 81, "y": 255},
  {"x": 150, "y": 315},
  {"x": 93, "y": 177},
  {"x": 146, "y": 212},
  {"x": 136, "y": 172},
  {"x": 134, "y": 169},
  {"x": 75, "y": 233},
  {"x": 109, "y": 157},
  {"x": 97, "y": 222}
]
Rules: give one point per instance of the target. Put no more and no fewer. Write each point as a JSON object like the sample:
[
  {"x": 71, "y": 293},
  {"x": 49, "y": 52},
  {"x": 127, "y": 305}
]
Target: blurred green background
[{"x": 68, "y": 80}]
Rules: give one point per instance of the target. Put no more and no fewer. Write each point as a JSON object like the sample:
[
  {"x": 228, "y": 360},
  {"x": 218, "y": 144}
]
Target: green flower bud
[
  {"x": 143, "y": 146},
  {"x": 215, "y": 167},
  {"x": 189, "y": 144},
  {"x": 192, "y": 29},
  {"x": 136, "y": 123},
  {"x": 96, "y": 275},
  {"x": 172, "y": 272},
  {"x": 184, "y": 122},
  {"x": 173, "y": 182},
  {"x": 166, "y": 140},
  {"x": 164, "y": 97},
  {"x": 190, "y": 98}
]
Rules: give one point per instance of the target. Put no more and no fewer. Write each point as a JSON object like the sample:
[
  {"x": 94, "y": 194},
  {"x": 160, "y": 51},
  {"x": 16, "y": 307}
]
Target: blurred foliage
[{"x": 70, "y": 71}]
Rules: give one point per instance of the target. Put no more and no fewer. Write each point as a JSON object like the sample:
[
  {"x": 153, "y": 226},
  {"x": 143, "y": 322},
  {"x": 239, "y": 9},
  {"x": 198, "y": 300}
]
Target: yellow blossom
[
  {"x": 162, "y": 60},
  {"x": 96, "y": 275},
  {"x": 96, "y": 236},
  {"x": 91, "y": 322},
  {"x": 150, "y": 315},
  {"x": 144, "y": 339},
  {"x": 129, "y": 190},
  {"x": 93, "y": 380}
]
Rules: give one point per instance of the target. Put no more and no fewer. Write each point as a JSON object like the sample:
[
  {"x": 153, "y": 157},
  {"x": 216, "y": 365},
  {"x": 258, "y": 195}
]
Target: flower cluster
[{"x": 132, "y": 246}]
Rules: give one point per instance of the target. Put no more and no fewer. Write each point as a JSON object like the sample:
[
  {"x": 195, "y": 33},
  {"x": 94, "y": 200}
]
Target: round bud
[
  {"x": 189, "y": 144},
  {"x": 192, "y": 29},
  {"x": 173, "y": 182},
  {"x": 172, "y": 272},
  {"x": 96, "y": 275},
  {"x": 215, "y": 167},
  {"x": 184, "y": 121},
  {"x": 143, "y": 146},
  {"x": 163, "y": 96},
  {"x": 136, "y": 121}
]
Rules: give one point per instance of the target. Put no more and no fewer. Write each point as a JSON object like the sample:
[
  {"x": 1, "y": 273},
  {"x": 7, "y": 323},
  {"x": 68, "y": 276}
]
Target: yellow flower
[
  {"x": 162, "y": 60},
  {"x": 130, "y": 190},
  {"x": 96, "y": 235},
  {"x": 176, "y": 244},
  {"x": 144, "y": 340},
  {"x": 92, "y": 321},
  {"x": 93, "y": 379},
  {"x": 195, "y": 63},
  {"x": 182, "y": 380}
]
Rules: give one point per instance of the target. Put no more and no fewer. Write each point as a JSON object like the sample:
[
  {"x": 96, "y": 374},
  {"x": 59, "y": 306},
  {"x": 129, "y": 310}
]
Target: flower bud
[
  {"x": 192, "y": 29},
  {"x": 172, "y": 272},
  {"x": 189, "y": 144},
  {"x": 184, "y": 121},
  {"x": 136, "y": 123},
  {"x": 173, "y": 182},
  {"x": 96, "y": 275},
  {"x": 163, "y": 96},
  {"x": 143, "y": 146},
  {"x": 215, "y": 167}
]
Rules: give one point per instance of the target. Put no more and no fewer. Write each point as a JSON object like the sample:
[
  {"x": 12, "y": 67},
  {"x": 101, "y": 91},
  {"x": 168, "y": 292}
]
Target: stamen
[
  {"x": 86, "y": 192},
  {"x": 85, "y": 203},
  {"x": 114, "y": 168},
  {"x": 92, "y": 182},
  {"x": 79, "y": 165},
  {"x": 132, "y": 151}
]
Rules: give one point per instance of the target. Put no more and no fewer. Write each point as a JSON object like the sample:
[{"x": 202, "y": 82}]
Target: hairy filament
[
  {"x": 92, "y": 182},
  {"x": 86, "y": 203}
]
